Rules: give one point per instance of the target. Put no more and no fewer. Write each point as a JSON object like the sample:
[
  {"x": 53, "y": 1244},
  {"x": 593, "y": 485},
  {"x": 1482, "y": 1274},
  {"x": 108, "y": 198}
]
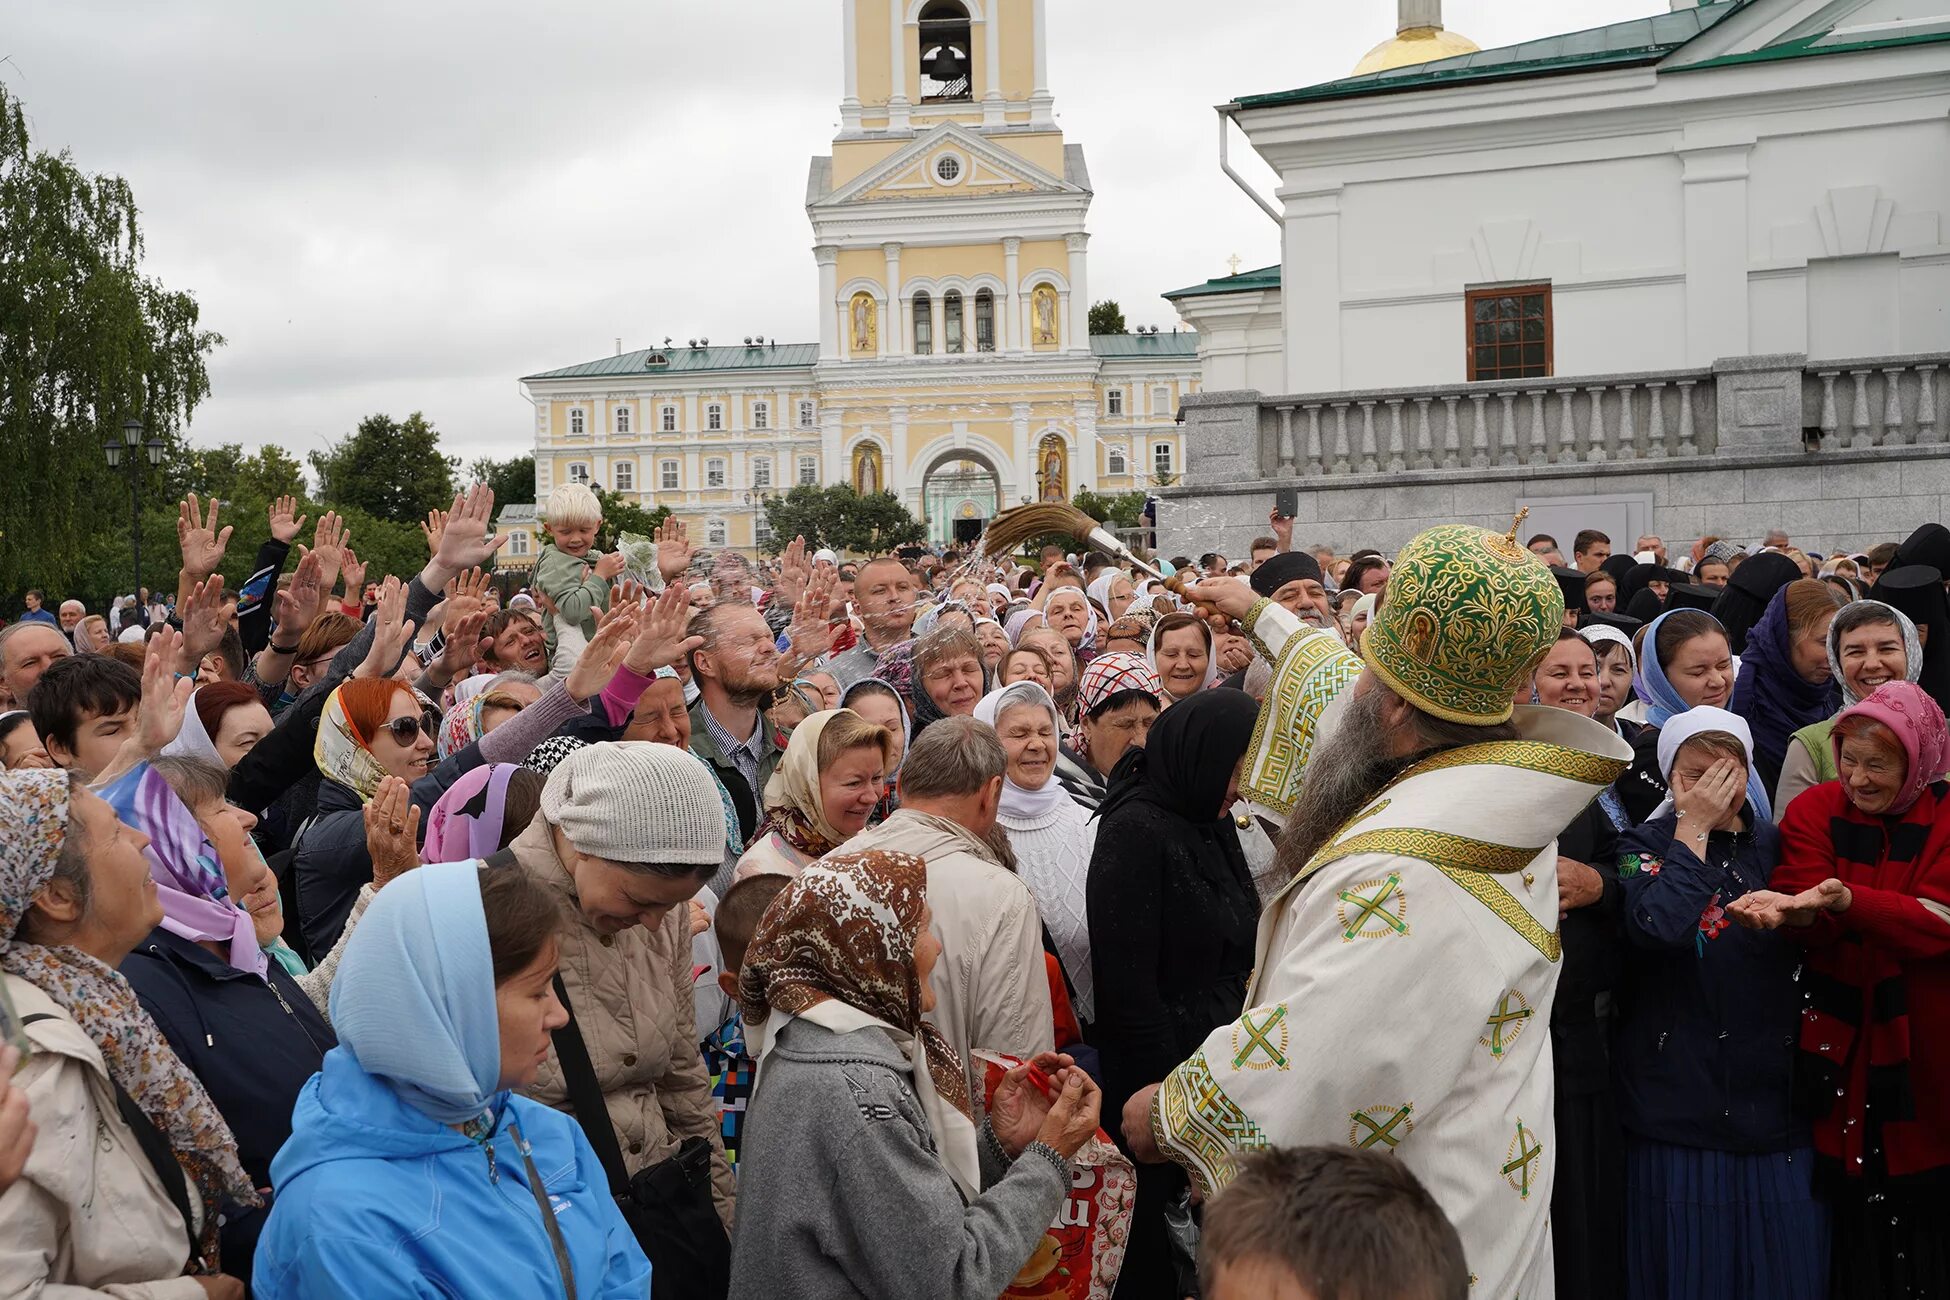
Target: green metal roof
[
  {"x": 689, "y": 360},
  {"x": 1134, "y": 347},
  {"x": 1639, "y": 41},
  {"x": 1807, "y": 47},
  {"x": 1267, "y": 277}
]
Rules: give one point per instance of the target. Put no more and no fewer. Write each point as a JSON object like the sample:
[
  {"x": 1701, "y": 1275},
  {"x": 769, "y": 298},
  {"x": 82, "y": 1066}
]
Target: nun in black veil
[{"x": 1917, "y": 590}]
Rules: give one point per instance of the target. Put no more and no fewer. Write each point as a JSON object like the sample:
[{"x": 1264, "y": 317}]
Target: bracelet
[
  {"x": 1049, "y": 1153},
  {"x": 277, "y": 649},
  {"x": 992, "y": 1142}
]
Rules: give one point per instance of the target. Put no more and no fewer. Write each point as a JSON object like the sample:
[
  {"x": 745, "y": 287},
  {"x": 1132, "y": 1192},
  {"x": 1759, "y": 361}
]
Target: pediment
[
  {"x": 981, "y": 167},
  {"x": 1773, "y": 28}
]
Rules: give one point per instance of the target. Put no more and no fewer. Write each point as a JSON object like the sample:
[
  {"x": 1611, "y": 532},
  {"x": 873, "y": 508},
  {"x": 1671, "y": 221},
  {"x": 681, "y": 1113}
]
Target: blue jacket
[
  {"x": 1704, "y": 1050},
  {"x": 252, "y": 1042},
  {"x": 376, "y": 1199}
]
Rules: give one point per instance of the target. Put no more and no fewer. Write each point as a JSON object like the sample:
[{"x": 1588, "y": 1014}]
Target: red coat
[{"x": 1876, "y": 1025}]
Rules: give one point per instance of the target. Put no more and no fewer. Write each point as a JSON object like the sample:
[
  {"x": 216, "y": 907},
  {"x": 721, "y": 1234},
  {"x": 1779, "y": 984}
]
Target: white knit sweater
[{"x": 1053, "y": 858}]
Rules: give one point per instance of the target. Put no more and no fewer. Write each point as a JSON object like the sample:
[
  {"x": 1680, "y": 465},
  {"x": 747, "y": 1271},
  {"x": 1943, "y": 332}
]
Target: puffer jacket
[
  {"x": 88, "y": 1216},
  {"x": 631, "y": 993}
]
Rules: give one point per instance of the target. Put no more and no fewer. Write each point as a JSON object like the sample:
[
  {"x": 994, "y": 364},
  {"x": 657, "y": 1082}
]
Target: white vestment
[{"x": 1402, "y": 992}]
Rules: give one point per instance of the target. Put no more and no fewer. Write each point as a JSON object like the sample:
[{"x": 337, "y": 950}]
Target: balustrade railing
[{"x": 1875, "y": 401}]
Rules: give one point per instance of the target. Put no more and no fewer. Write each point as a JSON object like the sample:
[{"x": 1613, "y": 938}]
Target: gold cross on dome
[{"x": 1235, "y": 262}]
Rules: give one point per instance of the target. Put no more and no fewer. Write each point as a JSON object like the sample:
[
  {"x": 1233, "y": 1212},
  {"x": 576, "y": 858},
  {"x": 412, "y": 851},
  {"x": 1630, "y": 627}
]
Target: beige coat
[
  {"x": 88, "y": 1216},
  {"x": 991, "y": 985},
  {"x": 631, "y": 994}
]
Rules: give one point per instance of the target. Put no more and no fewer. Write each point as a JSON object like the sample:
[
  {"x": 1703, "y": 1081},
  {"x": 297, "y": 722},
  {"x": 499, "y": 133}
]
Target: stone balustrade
[{"x": 1876, "y": 401}]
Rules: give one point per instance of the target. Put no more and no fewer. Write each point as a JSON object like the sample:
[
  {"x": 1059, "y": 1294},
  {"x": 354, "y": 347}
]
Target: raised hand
[
  {"x": 433, "y": 530},
  {"x": 329, "y": 538},
  {"x": 354, "y": 570},
  {"x": 1282, "y": 526},
  {"x": 203, "y": 621},
  {"x": 463, "y": 643},
  {"x": 294, "y": 607},
  {"x": 660, "y": 640},
  {"x": 1765, "y": 909},
  {"x": 285, "y": 519},
  {"x": 598, "y": 661},
  {"x": 202, "y": 545},
  {"x": 465, "y": 542},
  {"x": 810, "y": 634},
  {"x": 673, "y": 549},
  {"x": 164, "y": 694},
  {"x": 794, "y": 572},
  {"x": 391, "y": 632},
  {"x": 466, "y": 594},
  {"x": 1708, "y": 802},
  {"x": 392, "y": 831}
]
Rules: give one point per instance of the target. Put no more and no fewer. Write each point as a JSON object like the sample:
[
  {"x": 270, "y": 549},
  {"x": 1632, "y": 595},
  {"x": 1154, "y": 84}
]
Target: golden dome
[{"x": 1415, "y": 45}]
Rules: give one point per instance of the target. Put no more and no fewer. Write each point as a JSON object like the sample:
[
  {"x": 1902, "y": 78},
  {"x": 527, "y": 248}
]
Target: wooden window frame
[{"x": 1470, "y": 299}]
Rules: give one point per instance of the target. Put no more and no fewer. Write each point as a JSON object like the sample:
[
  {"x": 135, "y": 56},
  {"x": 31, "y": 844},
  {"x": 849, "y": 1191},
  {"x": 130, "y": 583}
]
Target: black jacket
[
  {"x": 1593, "y": 958},
  {"x": 252, "y": 1043}
]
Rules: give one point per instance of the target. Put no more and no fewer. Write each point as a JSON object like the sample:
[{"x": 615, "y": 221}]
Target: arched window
[
  {"x": 951, "y": 321},
  {"x": 947, "y": 69},
  {"x": 715, "y": 532},
  {"x": 984, "y": 321},
  {"x": 578, "y": 423},
  {"x": 923, "y": 325},
  {"x": 714, "y": 417},
  {"x": 622, "y": 419},
  {"x": 761, "y": 415}
]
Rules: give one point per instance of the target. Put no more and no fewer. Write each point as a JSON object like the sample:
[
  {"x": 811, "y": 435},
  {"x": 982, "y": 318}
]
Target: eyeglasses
[{"x": 406, "y": 730}]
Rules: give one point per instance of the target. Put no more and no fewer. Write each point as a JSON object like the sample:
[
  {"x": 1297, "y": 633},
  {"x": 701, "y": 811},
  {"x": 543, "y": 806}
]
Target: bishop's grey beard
[{"x": 1342, "y": 775}]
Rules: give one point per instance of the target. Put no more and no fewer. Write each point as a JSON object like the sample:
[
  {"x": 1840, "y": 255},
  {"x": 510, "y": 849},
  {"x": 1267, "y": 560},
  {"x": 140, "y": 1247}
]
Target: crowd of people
[{"x": 1469, "y": 921}]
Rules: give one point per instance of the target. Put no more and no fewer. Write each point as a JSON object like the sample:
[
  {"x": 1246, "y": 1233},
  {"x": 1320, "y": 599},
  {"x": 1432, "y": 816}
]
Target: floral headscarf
[
  {"x": 36, "y": 811},
  {"x": 1908, "y": 711},
  {"x": 341, "y": 754},
  {"x": 836, "y": 947},
  {"x": 461, "y": 726},
  {"x": 792, "y": 803}
]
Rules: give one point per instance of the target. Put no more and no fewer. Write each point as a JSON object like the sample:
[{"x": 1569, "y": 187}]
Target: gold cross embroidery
[
  {"x": 1506, "y": 1022},
  {"x": 1524, "y": 1150},
  {"x": 1383, "y": 1133},
  {"x": 1376, "y": 906},
  {"x": 1257, "y": 1040}
]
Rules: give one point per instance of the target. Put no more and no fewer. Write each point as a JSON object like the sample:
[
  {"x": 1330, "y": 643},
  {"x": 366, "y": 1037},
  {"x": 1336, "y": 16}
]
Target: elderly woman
[
  {"x": 1117, "y": 701},
  {"x": 911, "y": 1198},
  {"x": 1719, "y": 1173},
  {"x": 1064, "y": 669},
  {"x": 1113, "y": 591},
  {"x": 1048, "y": 831},
  {"x": 887, "y": 709},
  {"x": 1864, "y": 884},
  {"x": 499, "y": 699},
  {"x": 120, "y": 1193},
  {"x": 1173, "y": 913},
  {"x": 1869, "y": 644},
  {"x": 943, "y": 672},
  {"x": 224, "y": 721},
  {"x": 413, "y": 1168},
  {"x": 1684, "y": 664},
  {"x": 1069, "y": 611},
  {"x": 826, "y": 787},
  {"x": 1181, "y": 653},
  {"x": 995, "y": 642},
  {"x": 627, "y": 835},
  {"x": 243, "y": 1023},
  {"x": 1785, "y": 682}
]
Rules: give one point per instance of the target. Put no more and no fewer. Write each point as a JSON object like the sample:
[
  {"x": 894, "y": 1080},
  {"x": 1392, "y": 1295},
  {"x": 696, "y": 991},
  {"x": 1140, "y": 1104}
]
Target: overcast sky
[{"x": 390, "y": 205}]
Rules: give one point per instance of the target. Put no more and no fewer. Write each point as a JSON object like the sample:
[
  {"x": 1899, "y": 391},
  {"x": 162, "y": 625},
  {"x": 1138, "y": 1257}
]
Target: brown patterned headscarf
[{"x": 844, "y": 931}]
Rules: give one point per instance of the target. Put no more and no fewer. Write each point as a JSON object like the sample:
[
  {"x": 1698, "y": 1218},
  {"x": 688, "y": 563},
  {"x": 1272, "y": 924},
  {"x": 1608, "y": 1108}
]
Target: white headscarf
[
  {"x": 1599, "y": 632},
  {"x": 192, "y": 740},
  {"x": 1682, "y": 727},
  {"x": 1090, "y": 615},
  {"x": 1019, "y": 801},
  {"x": 1166, "y": 699}
]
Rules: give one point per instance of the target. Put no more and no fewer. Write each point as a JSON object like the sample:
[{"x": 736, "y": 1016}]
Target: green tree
[
  {"x": 838, "y": 517},
  {"x": 390, "y": 469},
  {"x": 622, "y": 516},
  {"x": 1107, "y": 317},
  {"x": 513, "y": 480},
  {"x": 86, "y": 342},
  {"x": 1112, "y": 510}
]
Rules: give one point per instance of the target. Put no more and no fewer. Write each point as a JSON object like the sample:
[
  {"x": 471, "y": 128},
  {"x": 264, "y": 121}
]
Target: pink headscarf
[
  {"x": 467, "y": 821},
  {"x": 1918, "y": 724}
]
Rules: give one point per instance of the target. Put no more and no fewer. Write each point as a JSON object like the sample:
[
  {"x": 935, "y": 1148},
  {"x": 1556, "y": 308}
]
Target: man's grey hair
[
  {"x": 13, "y": 630},
  {"x": 510, "y": 678},
  {"x": 953, "y": 759}
]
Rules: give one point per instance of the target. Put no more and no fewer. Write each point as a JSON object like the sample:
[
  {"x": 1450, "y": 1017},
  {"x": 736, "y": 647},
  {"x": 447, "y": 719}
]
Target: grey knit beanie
[{"x": 632, "y": 801}]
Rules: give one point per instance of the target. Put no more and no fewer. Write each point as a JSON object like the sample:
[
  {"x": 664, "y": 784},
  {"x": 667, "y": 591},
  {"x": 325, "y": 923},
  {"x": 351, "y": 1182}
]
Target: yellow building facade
[{"x": 955, "y": 365}]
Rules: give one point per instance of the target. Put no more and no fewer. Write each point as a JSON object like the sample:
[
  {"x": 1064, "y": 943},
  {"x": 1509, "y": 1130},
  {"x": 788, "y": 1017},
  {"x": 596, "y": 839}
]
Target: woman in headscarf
[
  {"x": 1113, "y": 593},
  {"x": 481, "y": 813},
  {"x": 414, "y": 1166},
  {"x": 1069, "y": 612},
  {"x": 484, "y": 710},
  {"x": 1683, "y": 664},
  {"x": 1616, "y": 668},
  {"x": 244, "y": 1024},
  {"x": 1719, "y": 1176},
  {"x": 1785, "y": 682},
  {"x": 1048, "y": 831},
  {"x": 1117, "y": 701},
  {"x": 943, "y": 673},
  {"x": 224, "y": 722},
  {"x": 121, "y": 1191},
  {"x": 1929, "y": 545},
  {"x": 1744, "y": 599},
  {"x": 886, "y": 708},
  {"x": 1639, "y": 581},
  {"x": 855, "y": 1083},
  {"x": 1918, "y": 592},
  {"x": 1065, "y": 670},
  {"x": 1181, "y": 654},
  {"x": 1868, "y": 644},
  {"x": 828, "y": 781},
  {"x": 995, "y": 642},
  {"x": 1172, "y": 912},
  {"x": 1864, "y": 883}
]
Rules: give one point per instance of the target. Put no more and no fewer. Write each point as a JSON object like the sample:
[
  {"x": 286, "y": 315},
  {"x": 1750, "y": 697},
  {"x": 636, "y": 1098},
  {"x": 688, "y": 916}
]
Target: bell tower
[{"x": 915, "y": 63}]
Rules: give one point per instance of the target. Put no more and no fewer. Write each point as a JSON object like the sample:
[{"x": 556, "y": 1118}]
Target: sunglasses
[{"x": 407, "y": 730}]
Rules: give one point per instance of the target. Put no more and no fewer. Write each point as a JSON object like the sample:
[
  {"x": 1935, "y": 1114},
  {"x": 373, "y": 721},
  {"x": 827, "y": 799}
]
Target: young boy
[
  {"x": 1328, "y": 1223},
  {"x": 569, "y": 573},
  {"x": 725, "y": 1057},
  {"x": 85, "y": 708}
]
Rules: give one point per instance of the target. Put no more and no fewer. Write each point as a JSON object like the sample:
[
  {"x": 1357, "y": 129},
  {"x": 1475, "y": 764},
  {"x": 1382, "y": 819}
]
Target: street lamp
[{"x": 125, "y": 450}]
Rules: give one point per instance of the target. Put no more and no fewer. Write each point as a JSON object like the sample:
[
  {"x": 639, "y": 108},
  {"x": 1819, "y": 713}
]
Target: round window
[{"x": 947, "y": 169}]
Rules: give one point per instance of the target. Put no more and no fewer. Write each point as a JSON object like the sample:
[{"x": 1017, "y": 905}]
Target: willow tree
[{"x": 87, "y": 341}]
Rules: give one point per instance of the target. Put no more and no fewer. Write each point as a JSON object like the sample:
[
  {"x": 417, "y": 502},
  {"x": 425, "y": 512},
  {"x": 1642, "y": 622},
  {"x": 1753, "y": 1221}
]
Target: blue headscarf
[
  {"x": 1663, "y": 704},
  {"x": 1776, "y": 700},
  {"x": 414, "y": 996}
]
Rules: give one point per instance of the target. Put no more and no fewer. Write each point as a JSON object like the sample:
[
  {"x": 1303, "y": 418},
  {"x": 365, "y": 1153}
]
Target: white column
[
  {"x": 992, "y": 61},
  {"x": 734, "y": 413},
  {"x": 897, "y": 101},
  {"x": 897, "y": 468},
  {"x": 1715, "y": 185},
  {"x": 1024, "y": 468},
  {"x": 890, "y": 308},
  {"x": 1312, "y": 303},
  {"x": 850, "y": 105},
  {"x": 832, "y": 470},
  {"x": 691, "y": 424},
  {"x": 1079, "y": 316},
  {"x": 1041, "y": 103},
  {"x": 828, "y": 258},
  {"x": 1012, "y": 310},
  {"x": 938, "y": 315}
]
